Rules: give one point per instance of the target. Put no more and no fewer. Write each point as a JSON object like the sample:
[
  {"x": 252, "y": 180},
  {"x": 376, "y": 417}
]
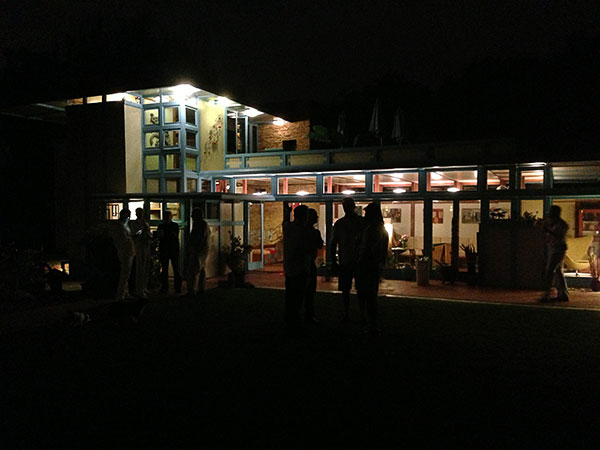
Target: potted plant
[
  {"x": 237, "y": 253},
  {"x": 447, "y": 271}
]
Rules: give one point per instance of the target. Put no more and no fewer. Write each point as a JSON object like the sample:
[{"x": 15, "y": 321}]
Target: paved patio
[{"x": 273, "y": 277}]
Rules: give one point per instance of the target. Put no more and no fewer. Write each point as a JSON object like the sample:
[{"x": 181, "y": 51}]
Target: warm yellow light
[
  {"x": 184, "y": 90},
  {"x": 453, "y": 189},
  {"x": 302, "y": 193},
  {"x": 251, "y": 112},
  {"x": 390, "y": 230},
  {"x": 348, "y": 192},
  {"x": 399, "y": 191},
  {"x": 278, "y": 121},
  {"x": 117, "y": 97}
]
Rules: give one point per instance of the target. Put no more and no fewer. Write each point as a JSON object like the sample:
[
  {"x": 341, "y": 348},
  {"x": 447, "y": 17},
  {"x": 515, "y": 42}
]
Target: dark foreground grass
[{"x": 223, "y": 373}]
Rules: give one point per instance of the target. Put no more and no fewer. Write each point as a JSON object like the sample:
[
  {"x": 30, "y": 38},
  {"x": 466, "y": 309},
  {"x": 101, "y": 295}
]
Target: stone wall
[{"x": 272, "y": 136}]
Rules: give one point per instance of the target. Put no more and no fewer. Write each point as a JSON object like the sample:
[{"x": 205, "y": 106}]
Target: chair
[{"x": 576, "y": 257}]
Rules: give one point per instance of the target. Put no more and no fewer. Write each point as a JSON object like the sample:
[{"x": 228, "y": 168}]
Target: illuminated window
[
  {"x": 256, "y": 186},
  {"x": 191, "y": 185},
  {"x": 297, "y": 185},
  {"x": 172, "y": 114},
  {"x": 190, "y": 138},
  {"x": 151, "y": 99},
  {"x": 151, "y": 116},
  {"x": 222, "y": 185},
  {"x": 115, "y": 97},
  {"x": 396, "y": 182},
  {"x": 573, "y": 175},
  {"x": 152, "y": 162},
  {"x": 452, "y": 180},
  {"x": 113, "y": 210},
  {"x": 499, "y": 209},
  {"x": 191, "y": 162},
  {"x": 172, "y": 184},
  {"x": 205, "y": 185},
  {"x": 75, "y": 101},
  {"x": 172, "y": 161},
  {"x": 155, "y": 211},
  {"x": 172, "y": 138},
  {"x": 175, "y": 209},
  {"x": 132, "y": 98},
  {"x": 168, "y": 98},
  {"x": 344, "y": 184},
  {"x": 152, "y": 139},
  {"x": 95, "y": 99},
  {"x": 498, "y": 179},
  {"x": 152, "y": 185},
  {"x": 532, "y": 179}
]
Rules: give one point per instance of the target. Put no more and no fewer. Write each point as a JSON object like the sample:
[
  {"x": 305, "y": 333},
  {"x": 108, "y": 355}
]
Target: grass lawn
[{"x": 223, "y": 373}]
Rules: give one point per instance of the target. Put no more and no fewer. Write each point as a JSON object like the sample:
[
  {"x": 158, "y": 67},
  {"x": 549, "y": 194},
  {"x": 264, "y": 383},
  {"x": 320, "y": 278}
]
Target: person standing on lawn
[
  {"x": 197, "y": 253},
  {"x": 556, "y": 247},
  {"x": 296, "y": 262},
  {"x": 346, "y": 234},
  {"x": 142, "y": 239},
  {"x": 168, "y": 250},
  {"x": 121, "y": 236},
  {"x": 316, "y": 242},
  {"x": 372, "y": 253}
]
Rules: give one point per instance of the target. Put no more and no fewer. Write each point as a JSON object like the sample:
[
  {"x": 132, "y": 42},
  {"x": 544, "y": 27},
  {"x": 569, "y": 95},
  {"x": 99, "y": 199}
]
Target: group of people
[
  {"x": 133, "y": 242},
  {"x": 362, "y": 246}
]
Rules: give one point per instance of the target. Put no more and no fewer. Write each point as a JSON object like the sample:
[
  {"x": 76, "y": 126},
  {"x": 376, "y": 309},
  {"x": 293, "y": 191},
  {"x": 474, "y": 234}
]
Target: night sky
[{"x": 269, "y": 52}]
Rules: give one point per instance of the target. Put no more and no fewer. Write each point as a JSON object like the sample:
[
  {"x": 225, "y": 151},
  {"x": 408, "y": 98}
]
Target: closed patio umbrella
[
  {"x": 375, "y": 126},
  {"x": 398, "y": 127}
]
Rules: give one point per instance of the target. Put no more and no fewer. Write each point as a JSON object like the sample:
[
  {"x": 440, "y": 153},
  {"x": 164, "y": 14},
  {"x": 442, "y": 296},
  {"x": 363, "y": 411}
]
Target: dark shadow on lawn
[{"x": 222, "y": 372}]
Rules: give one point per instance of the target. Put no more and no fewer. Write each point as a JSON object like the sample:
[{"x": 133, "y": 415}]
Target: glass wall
[
  {"x": 297, "y": 185},
  {"x": 498, "y": 179},
  {"x": 398, "y": 183},
  {"x": 452, "y": 180},
  {"x": 344, "y": 184}
]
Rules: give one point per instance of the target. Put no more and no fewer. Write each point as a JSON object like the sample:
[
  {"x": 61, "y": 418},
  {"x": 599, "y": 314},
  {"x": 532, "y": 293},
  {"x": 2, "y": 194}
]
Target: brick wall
[{"x": 272, "y": 136}]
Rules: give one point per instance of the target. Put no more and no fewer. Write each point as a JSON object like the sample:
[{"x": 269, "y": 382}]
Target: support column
[
  {"x": 427, "y": 227},
  {"x": 455, "y": 233}
]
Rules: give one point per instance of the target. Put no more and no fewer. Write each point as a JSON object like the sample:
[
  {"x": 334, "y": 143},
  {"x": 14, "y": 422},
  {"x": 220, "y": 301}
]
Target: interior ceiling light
[
  {"x": 453, "y": 189},
  {"x": 348, "y": 192},
  {"x": 399, "y": 191},
  {"x": 357, "y": 177},
  {"x": 259, "y": 193},
  {"x": 435, "y": 176},
  {"x": 302, "y": 193}
]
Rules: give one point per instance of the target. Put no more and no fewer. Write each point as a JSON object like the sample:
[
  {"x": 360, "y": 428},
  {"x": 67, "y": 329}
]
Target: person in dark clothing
[
  {"x": 344, "y": 251},
  {"x": 316, "y": 243},
  {"x": 372, "y": 252},
  {"x": 296, "y": 263},
  {"x": 198, "y": 245},
  {"x": 168, "y": 250},
  {"x": 555, "y": 229}
]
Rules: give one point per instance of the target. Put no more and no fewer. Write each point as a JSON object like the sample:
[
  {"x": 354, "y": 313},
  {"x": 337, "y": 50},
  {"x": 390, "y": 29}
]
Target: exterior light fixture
[
  {"x": 183, "y": 91},
  {"x": 251, "y": 112},
  {"x": 399, "y": 191},
  {"x": 453, "y": 189},
  {"x": 302, "y": 193},
  {"x": 279, "y": 121},
  {"x": 348, "y": 192}
]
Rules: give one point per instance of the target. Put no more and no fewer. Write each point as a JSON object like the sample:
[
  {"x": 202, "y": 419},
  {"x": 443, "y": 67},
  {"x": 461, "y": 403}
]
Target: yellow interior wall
[
  {"x": 133, "y": 149},
  {"x": 569, "y": 214},
  {"x": 212, "y": 156}
]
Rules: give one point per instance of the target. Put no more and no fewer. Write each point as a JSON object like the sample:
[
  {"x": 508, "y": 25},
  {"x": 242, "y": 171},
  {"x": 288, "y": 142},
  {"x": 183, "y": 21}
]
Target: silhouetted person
[
  {"x": 556, "y": 230},
  {"x": 316, "y": 242},
  {"x": 296, "y": 262},
  {"x": 346, "y": 233},
  {"x": 142, "y": 239},
  {"x": 121, "y": 236},
  {"x": 168, "y": 250},
  {"x": 197, "y": 253},
  {"x": 372, "y": 252}
]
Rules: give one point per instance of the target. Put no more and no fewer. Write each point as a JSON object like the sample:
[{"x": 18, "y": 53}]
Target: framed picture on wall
[
  {"x": 393, "y": 213},
  {"x": 438, "y": 215},
  {"x": 470, "y": 215}
]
